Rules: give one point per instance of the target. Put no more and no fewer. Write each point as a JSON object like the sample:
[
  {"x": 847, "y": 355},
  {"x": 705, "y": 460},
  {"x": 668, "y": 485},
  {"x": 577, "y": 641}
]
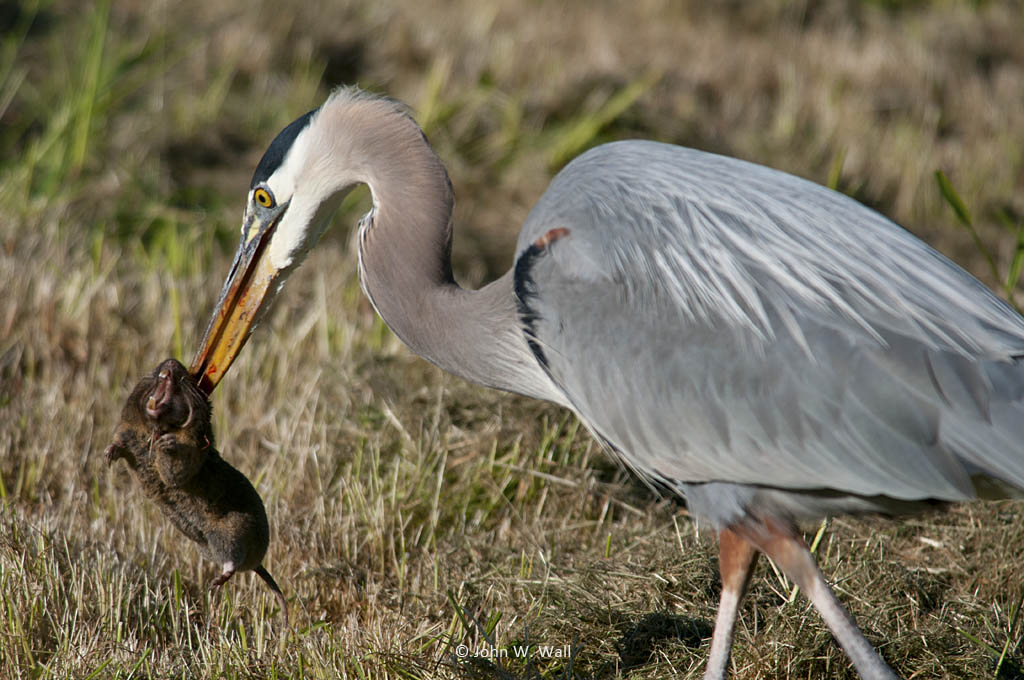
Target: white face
[
  {"x": 296, "y": 188},
  {"x": 281, "y": 187},
  {"x": 311, "y": 190}
]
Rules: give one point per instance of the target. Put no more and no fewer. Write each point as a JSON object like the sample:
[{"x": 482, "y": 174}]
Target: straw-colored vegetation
[{"x": 412, "y": 512}]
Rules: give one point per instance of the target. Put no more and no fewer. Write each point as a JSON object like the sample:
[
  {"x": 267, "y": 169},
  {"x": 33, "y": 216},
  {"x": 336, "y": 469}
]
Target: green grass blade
[
  {"x": 957, "y": 204},
  {"x": 1017, "y": 264},
  {"x": 583, "y": 131},
  {"x": 835, "y": 171},
  {"x": 953, "y": 199},
  {"x": 91, "y": 82}
]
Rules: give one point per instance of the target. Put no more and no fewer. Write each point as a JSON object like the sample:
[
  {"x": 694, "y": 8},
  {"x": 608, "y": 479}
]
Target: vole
[{"x": 166, "y": 438}]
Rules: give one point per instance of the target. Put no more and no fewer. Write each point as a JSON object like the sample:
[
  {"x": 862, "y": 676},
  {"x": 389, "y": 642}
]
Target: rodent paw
[
  {"x": 112, "y": 453},
  {"x": 166, "y": 443}
]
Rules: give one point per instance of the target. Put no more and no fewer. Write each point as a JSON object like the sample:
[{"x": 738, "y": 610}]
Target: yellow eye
[{"x": 263, "y": 198}]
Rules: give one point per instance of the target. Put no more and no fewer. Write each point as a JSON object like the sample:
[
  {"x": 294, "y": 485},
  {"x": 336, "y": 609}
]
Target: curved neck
[{"x": 405, "y": 261}]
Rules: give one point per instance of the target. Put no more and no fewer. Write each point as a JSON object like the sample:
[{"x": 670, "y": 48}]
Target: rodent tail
[{"x": 269, "y": 580}]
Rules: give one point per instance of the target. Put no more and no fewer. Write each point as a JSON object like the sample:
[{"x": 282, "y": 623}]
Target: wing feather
[{"x": 715, "y": 320}]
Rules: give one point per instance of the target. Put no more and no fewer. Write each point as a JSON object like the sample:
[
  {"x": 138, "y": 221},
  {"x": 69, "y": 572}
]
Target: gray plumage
[
  {"x": 770, "y": 349},
  {"x": 769, "y": 331}
]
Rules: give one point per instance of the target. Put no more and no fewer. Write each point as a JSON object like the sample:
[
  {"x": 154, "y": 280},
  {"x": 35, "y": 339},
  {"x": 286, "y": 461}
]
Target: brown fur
[{"x": 166, "y": 438}]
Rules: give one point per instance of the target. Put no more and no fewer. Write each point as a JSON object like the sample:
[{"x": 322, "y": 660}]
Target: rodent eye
[{"x": 263, "y": 198}]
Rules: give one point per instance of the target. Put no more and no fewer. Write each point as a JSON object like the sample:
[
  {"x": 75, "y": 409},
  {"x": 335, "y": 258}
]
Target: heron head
[
  {"x": 286, "y": 211},
  {"x": 298, "y": 185}
]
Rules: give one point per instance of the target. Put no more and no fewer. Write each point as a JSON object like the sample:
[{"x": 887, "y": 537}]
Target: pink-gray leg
[
  {"x": 785, "y": 547},
  {"x": 736, "y": 559}
]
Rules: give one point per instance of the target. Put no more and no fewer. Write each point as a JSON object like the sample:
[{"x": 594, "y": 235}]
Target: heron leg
[
  {"x": 736, "y": 559},
  {"x": 783, "y": 545}
]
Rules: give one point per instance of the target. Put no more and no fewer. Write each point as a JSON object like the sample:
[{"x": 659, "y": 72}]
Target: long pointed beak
[{"x": 247, "y": 288}]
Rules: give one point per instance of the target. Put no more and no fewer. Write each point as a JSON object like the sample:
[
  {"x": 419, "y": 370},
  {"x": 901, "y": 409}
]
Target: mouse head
[
  {"x": 169, "y": 403},
  {"x": 167, "y": 400}
]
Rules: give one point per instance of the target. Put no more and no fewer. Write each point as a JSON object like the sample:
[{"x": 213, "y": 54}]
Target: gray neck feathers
[{"x": 405, "y": 247}]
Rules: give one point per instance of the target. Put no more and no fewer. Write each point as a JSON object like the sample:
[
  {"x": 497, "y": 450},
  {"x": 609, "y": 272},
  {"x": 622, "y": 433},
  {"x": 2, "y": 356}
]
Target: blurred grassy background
[{"x": 413, "y": 512}]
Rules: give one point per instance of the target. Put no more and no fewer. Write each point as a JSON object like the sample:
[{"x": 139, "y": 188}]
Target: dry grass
[{"x": 412, "y": 512}]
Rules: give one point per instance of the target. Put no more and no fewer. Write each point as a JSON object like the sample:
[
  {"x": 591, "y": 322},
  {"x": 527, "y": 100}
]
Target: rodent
[{"x": 166, "y": 437}]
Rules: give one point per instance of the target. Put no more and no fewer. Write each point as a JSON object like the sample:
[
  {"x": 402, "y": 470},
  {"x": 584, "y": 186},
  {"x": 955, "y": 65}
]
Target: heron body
[
  {"x": 718, "y": 321},
  {"x": 770, "y": 349}
]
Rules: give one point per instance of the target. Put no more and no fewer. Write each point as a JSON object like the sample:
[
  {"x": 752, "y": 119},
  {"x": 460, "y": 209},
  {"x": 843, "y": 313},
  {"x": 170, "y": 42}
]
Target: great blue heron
[{"x": 771, "y": 349}]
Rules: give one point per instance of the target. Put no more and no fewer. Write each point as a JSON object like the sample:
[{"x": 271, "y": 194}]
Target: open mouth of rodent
[{"x": 161, "y": 395}]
